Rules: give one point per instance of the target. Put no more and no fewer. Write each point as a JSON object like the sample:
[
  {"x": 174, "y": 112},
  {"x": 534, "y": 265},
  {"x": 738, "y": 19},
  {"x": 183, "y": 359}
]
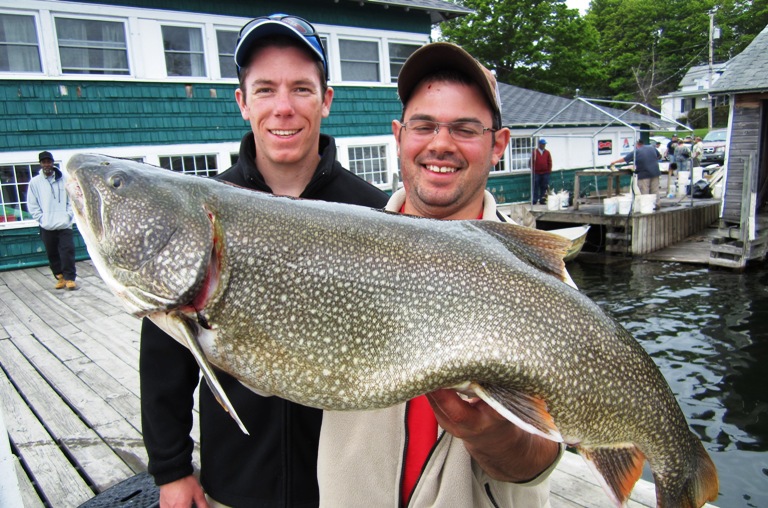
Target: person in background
[
  {"x": 697, "y": 152},
  {"x": 284, "y": 95},
  {"x": 646, "y": 166},
  {"x": 49, "y": 204},
  {"x": 438, "y": 449},
  {"x": 683, "y": 156},
  {"x": 541, "y": 165},
  {"x": 671, "y": 147}
]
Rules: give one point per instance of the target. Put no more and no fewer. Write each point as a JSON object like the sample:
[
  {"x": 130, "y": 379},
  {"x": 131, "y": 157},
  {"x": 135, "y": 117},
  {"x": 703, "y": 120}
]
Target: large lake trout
[{"x": 347, "y": 308}]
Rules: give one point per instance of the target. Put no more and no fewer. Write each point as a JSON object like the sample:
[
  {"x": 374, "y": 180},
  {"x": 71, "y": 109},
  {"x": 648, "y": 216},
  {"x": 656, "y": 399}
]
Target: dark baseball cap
[
  {"x": 44, "y": 155},
  {"x": 278, "y": 24},
  {"x": 437, "y": 56}
]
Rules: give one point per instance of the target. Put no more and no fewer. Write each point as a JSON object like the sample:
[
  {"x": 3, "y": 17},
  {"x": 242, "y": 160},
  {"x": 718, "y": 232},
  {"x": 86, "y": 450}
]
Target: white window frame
[
  {"x": 383, "y": 175},
  {"x": 390, "y": 78},
  {"x": 104, "y": 19},
  {"x": 207, "y": 171},
  {"x": 40, "y": 51},
  {"x": 379, "y": 42},
  {"x": 11, "y": 219},
  {"x": 518, "y": 157},
  {"x": 205, "y": 49},
  {"x": 230, "y": 52}
]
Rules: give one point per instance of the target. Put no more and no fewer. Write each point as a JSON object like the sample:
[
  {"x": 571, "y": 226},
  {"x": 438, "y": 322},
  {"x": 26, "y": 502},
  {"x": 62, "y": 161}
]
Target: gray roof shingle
[
  {"x": 748, "y": 71},
  {"x": 526, "y": 108}
]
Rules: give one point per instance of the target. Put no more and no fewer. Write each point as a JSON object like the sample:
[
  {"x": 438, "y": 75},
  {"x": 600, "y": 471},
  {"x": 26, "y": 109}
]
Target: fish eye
[{"x": 116, "y": 180}]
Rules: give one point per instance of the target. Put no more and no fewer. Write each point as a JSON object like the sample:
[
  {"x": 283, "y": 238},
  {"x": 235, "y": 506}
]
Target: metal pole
[{"x": 711, "y": 56}]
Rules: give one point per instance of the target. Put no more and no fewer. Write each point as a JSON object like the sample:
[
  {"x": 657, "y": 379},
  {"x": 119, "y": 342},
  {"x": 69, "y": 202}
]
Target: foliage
[
  {"x": 540, "y": 45},
  {"x": 631, "y": 50}
]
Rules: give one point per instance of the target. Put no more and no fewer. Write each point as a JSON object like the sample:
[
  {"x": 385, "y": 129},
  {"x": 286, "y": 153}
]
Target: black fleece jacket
[{"x": 276, "y": 466}]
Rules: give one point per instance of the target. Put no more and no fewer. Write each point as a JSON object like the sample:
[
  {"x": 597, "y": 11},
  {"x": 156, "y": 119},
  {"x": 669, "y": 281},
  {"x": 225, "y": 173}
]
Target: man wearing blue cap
[
  {"x": 541, "y": 165},
  {"x": 284, "y": 96}
]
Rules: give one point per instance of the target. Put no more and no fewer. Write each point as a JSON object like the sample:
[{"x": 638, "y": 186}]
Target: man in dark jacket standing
[
  {"x": 284, "y": 95},
  {"x": 541, "y": 165},
  {"x": 49, "y": 205}
]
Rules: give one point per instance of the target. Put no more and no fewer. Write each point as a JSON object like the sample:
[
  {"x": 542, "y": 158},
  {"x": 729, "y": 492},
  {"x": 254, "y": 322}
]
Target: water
[{"x": 707, "y": 330}]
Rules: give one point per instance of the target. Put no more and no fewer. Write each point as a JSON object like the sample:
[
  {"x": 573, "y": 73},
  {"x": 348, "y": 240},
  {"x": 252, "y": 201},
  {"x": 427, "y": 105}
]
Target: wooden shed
[{"x": 743, "y": 234}]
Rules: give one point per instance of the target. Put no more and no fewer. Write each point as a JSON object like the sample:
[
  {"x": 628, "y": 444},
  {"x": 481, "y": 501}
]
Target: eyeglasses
[
  {"x": 301, "y": 25},
  {"x": 460, "y": 131}
]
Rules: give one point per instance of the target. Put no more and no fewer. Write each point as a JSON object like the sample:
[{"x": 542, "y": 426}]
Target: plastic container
[
  {"x": 717, "y": 191},
  {"x": 624, "y": 204},
  {"x": 610, "y": 206},
  {"x": 698, "y": 173},
  {"x": 553, "y": 202},
  {"x": 564, "y": 198},
  {"x": 647, "y": 203}
]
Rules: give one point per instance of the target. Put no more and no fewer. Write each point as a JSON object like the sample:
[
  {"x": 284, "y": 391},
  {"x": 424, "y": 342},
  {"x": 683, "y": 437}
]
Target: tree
[{"x": 540, "y": 45}]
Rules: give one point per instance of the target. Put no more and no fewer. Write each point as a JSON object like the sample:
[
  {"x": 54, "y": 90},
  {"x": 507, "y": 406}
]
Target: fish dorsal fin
[
  {"x": 541, "y": 249},
  {"x": 527, "y": 412},
  {"x": 617, "y": 468},
  {"x": 183, "y": 330}
]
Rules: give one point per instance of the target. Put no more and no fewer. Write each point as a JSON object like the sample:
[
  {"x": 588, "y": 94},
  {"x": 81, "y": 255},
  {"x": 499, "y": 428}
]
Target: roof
[
  {"x": 698, "y": 72},
  {"x": 747, "y": 71},
  {"x": 439, "y": 10},
  {"x": 527, "y": 108}
]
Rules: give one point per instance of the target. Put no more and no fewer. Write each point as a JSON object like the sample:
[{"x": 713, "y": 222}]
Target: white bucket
[
  {"x": 553, "y": 202},
  {"x": 625, "y": 204},
  {"x": 564, "y": 196},
  {"x": 647, "y": 203},
  {"x": 683, "y": 177},
  {"x": 610, "y": 205},
  {"x": 717, "y": 191},
  {"x": 698, "y": 173}
]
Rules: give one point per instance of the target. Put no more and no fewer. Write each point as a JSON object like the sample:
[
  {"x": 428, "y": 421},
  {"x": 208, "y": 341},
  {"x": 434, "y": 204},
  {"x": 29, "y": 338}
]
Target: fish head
[{"x": 150, "y": 241}]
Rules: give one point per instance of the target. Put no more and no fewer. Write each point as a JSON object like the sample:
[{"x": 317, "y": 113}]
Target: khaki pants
[{"x": 649, "y": 185}]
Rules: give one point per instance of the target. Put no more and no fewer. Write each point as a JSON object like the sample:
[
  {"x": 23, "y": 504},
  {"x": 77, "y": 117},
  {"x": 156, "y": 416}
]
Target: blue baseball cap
[
  {"x": 278, "y": 24},
  {"x": 542, "y": 141}
]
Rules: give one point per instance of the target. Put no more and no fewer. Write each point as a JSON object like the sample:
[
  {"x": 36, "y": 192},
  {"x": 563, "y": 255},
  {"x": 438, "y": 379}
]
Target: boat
[{"x": 577, "y": 235}]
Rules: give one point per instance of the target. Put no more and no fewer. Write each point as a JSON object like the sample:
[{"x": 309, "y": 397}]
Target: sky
[{"x": 582, "y": 5}]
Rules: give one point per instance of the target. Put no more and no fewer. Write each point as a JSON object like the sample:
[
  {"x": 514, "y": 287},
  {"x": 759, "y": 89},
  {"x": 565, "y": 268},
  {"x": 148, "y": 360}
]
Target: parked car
[
  {"x": 663, "y": 147},
  {"x": 714, "y": 147}
]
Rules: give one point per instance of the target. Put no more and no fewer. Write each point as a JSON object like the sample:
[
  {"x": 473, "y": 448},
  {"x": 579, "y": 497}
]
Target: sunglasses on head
[{"x": 301, "y": 25}]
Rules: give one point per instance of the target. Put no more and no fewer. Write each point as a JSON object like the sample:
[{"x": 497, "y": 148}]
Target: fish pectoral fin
[
  {"x": 616, "y": 467},
  {"x": 185, "y": 328},
  {"x": 527, "y": 412}
]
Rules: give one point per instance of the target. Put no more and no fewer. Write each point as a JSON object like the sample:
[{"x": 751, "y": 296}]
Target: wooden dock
[{"x": 69, "y": 388}]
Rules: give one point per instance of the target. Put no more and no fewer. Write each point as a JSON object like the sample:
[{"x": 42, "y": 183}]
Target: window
[
  {"x": 88, "y": 46},
  {"x": 226, "y": 40},
  {"x": 398, "y": 54},
  {"x": 520, "y": 150},
  {"x": 359, "y": 60},
  {"x": 14, "y": 182},
  {"x": 184, "y": 54},
  {"x": 19, "y": 50},
  {"x": 199, "y": 165},
  {"x": 369, "y": 163}
]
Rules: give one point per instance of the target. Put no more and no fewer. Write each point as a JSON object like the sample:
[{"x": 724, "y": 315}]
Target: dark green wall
[
  {"x": 92, "y": 114},
  {"x": 327, "y": 12}
]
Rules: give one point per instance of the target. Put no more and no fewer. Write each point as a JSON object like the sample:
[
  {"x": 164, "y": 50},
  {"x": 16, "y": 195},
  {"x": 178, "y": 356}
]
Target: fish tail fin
[
  {"x": 617, "y": 468},
  {"x": 700, "y": 485}
]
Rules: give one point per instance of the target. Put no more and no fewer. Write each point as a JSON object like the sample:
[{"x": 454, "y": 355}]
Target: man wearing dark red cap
[
  {"x": 283, "y": 93},
  {"x": 439, "y": 449},
  {"x": 49, "y": 205}
]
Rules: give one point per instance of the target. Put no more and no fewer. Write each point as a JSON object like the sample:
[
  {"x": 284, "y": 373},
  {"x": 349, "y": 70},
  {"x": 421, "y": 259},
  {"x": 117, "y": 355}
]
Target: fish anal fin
[
  {"x": 617, "y": 468},
  {"x": 527, "y": 412}
]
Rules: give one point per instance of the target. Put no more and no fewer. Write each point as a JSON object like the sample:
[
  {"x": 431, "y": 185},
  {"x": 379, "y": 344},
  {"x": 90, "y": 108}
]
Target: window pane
[
  {"x": 18, "y": 44},
  {"x": 359, "y": 60},
  {"x": 369, "y": 163},
  {"x": 14, "y": 183},
  {"x": 226, "y": 41},
  {"x": 398, "y": 54},
  {"x": 183, "y": 51},
  {"x": 199, "y": 165},
  {"x": 520, "y": 150},
  {"x": 92, "y": 47}
]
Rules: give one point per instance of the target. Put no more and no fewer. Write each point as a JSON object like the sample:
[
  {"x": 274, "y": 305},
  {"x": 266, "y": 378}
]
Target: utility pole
[{"x": 710, "y": 106}]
